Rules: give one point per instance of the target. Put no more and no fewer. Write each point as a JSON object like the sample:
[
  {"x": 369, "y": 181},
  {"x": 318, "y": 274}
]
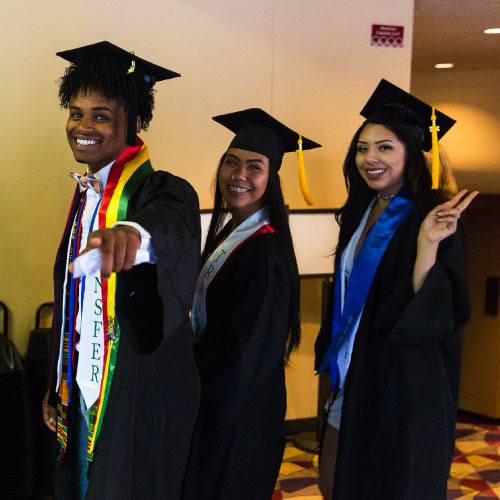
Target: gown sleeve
[
  {"x": 167, "y": 207},
  {"x": 440, "y": 307}
]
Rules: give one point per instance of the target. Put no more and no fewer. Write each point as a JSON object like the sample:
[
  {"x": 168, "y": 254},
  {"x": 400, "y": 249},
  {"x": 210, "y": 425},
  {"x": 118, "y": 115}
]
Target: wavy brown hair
[{"x": 417, "y": 179}]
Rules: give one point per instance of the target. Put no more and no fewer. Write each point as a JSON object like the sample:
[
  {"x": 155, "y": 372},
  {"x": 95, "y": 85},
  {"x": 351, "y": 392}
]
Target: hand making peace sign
[{"x": 441, "y": 222}]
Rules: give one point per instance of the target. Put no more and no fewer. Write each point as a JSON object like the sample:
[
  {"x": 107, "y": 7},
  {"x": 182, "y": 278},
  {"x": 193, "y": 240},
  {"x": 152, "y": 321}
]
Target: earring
[{"x": 232, "y": 177}]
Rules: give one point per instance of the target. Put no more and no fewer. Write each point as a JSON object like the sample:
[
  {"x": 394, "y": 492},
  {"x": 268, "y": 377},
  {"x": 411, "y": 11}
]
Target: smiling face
[
  {"x": 243, "y": 180},
  {"x": 96, "y": 129},
  {"x": 380, "y": 159}
]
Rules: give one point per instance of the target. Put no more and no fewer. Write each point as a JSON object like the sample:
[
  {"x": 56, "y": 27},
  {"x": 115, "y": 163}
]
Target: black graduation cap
[
  {"x": 259, "y": 132},
  {"x": 390, "y": 104},
  {"x": 108, "y": 49},
  {"x": 152, "y": 73}
]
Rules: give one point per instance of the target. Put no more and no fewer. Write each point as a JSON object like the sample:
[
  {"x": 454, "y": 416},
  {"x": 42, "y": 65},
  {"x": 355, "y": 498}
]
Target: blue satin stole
[{"x": 362, "y": 273}]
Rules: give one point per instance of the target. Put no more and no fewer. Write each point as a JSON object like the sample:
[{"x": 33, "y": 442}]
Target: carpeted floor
[
  {"x": 475, "y": 472},
  {"x": 298, "y": 476}
]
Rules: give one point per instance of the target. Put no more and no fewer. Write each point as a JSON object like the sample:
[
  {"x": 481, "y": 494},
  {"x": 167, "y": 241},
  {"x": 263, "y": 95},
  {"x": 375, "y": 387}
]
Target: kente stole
[
  {"x": 125, "y": 175},
  {"x": 362, "y": 274}
]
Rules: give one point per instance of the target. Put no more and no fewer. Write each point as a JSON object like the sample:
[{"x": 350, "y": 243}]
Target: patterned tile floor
[
  {"x": 475, "y": 472},
  {"x": 298, "y": 476}
]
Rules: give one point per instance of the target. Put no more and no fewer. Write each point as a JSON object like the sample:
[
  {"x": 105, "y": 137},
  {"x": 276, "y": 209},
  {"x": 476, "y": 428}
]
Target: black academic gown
[
  {"x": 397, "y": 431},
  {"x": 238, "y": 440},
  {"x": 143, "y": 446}
]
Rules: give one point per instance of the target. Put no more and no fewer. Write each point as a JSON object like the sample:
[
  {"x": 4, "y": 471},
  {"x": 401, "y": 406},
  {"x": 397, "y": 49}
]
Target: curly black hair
[{"x": 109, "y": 77}]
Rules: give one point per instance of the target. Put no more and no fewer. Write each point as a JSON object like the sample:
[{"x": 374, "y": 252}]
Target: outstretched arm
[
  {"x": 440, "y": 223},
  {"x": 118, "y": 248}
]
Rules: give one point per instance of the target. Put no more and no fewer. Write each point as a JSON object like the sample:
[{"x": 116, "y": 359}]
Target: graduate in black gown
[
  {"x": 390, "y": 338},
  {"x": 124, "y": 430},
  {"x": 246, "y": 312}
]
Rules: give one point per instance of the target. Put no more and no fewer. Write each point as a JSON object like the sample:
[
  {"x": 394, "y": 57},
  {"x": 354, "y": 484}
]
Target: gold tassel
[
  {"x": 302, "y": 174},
  {"x": 435, "y": 151},
  {"x": 132, "y": 65}
]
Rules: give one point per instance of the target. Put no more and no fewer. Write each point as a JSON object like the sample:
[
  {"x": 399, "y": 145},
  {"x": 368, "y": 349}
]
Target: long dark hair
[
  {"x": 273, "y": 198},
  {"x": 416, "y": 176}
]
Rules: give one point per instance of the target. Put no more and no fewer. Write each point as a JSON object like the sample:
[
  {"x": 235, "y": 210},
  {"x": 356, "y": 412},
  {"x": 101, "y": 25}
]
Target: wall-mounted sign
[{"x": 387, "y": 36}]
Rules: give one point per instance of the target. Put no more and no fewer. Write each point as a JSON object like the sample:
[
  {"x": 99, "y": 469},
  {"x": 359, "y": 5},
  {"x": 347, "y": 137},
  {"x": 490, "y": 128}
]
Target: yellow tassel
[
  {"x": 302, "y": 174},
  {"x": 435, "y": 151}
]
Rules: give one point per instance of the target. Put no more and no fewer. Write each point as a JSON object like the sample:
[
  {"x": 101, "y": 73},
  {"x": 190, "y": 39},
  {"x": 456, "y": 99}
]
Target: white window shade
[{"x": 314, "y": 233}]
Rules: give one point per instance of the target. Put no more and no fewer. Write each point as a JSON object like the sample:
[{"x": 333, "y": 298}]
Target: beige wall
[
  {"x": 479, "y": 388},
  {"x": 309, "y": 63},
  {"x": 473, "y": 99}
]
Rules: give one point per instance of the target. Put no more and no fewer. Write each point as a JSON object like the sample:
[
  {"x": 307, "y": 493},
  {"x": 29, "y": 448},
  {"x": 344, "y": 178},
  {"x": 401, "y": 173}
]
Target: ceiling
[{"x": 452, "y": 31}]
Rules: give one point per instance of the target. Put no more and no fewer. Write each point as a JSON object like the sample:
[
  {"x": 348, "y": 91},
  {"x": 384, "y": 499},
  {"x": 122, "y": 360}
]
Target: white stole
[
  {"x": 89, "y": 325},
  {"x": 218, "y": 258}
]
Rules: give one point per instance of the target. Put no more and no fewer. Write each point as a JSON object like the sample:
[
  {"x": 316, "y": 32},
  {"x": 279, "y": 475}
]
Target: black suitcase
[
  {"x": 44, "y": 440},
  {"x": 16, "y": 450}
]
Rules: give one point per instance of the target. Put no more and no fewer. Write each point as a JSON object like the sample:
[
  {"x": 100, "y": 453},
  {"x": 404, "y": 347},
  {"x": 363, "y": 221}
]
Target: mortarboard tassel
[
  {"x": 132, "y": 105},
  {"x": 302, "y": 174},
  {"x": 435, "y": 151}
]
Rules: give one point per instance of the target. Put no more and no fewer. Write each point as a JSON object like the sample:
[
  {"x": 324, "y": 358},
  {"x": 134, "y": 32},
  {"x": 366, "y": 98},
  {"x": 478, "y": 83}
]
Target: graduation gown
[
  {"x": 238, "y": 440},
  {"x": 397, "y": 431},
  {"x": 144, "y": 442}
]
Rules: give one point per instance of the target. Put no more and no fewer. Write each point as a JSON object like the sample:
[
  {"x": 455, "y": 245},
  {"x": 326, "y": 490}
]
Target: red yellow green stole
[{"x": 125, "y": 175}]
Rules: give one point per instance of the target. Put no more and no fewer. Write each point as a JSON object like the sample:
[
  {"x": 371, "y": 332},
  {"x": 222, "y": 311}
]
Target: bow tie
[{"x": 88, "y": 181}]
